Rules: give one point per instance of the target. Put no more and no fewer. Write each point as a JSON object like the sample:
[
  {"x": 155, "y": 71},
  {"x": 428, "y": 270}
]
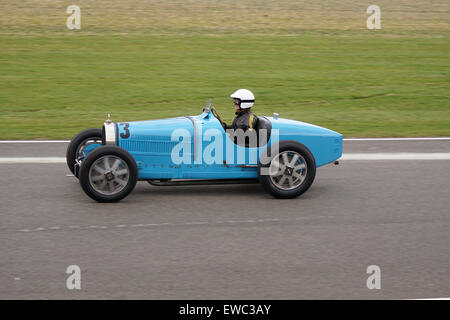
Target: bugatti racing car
[{"x": 280, "y": 154}]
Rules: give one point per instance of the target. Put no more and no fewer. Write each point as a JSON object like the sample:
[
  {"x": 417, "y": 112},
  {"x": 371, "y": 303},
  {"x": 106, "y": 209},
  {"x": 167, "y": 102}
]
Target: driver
[{"x": 245, "y": 119}]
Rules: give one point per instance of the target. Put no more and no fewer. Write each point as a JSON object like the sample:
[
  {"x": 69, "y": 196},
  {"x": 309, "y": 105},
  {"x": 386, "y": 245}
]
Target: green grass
[{"x": 360, "y": 83}]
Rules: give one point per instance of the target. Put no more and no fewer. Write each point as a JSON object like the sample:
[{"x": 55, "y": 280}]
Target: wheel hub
[
  {"x": 109, "y": 176},
  {"x": 288, "y": 171}
]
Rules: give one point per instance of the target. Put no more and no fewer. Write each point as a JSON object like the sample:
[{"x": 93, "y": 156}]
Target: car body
[{"x": 197, "y": 148}]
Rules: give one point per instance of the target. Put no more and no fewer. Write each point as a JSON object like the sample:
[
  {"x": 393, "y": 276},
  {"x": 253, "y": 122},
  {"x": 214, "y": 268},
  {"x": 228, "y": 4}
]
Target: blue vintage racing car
[{"x": 280, "y": 154}]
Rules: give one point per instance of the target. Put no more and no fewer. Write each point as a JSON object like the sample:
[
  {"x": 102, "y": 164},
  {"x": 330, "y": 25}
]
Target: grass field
[{"x": 313, "y": 61}]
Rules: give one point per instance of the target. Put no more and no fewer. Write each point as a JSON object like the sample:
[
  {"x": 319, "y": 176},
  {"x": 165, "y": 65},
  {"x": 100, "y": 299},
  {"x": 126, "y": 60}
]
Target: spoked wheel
[
  {"x": 287, "y": 170},
  {"x": 290, "y": 172},
  {"x": 81, "y": 145},
  {"x": 108, "y": 174}
]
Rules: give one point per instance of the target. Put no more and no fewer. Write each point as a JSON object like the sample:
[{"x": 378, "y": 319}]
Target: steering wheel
[{"x": 216, "y": 114}]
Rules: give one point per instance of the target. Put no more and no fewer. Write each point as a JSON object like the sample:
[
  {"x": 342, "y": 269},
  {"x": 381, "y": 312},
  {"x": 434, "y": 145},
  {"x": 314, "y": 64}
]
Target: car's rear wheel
[
  {"x": 290, "y": 172},
  {"x": 80, "y": 145},
  {"x": 108, "y": 174}
]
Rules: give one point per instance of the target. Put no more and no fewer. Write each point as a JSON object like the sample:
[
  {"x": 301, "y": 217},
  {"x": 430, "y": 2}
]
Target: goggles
[{"x": 238, "y": 101}]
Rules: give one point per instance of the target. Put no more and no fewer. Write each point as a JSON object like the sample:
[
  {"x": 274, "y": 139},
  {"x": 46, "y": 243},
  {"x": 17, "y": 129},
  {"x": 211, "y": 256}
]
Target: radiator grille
[{"x": 149, "y": 146}]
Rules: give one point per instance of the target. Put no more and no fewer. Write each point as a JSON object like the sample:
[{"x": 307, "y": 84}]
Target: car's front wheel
[
  {"x": 289, "y": 172},
  {"x": 108, "y": 174}
]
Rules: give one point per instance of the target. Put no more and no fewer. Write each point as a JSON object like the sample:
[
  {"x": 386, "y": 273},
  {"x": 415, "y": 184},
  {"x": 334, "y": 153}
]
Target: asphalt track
[{"x": 231, "y": 241}]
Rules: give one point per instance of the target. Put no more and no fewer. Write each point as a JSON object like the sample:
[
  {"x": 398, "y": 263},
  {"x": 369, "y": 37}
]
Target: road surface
[{"x": 230, "y": 241}]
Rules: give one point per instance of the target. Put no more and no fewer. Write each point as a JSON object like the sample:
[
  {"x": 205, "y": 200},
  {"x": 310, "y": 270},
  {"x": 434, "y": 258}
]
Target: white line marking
[
  {"x": 346, "y": 156},
  {"x": 188, "y": 223},
  {"x": 34, "y": 141},
  {"x": 396, "y": 156},
  {"x": 431, "y": 299},
  {"x": 195, "y": 223},
  {"x": 345, "y": 139},
  {"x": 32, "y": 160}
]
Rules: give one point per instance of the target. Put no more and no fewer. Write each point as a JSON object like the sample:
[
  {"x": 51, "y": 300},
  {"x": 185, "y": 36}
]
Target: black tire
[
  {"x": 272, "y": 188},
  {"x": 77, "y": 142},
  {"x": 98, "y": 153}
]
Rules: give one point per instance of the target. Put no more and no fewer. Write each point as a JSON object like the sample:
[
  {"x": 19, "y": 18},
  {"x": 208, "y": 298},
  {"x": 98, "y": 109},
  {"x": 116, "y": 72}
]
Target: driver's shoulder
[{"x": 253, "y": 116}]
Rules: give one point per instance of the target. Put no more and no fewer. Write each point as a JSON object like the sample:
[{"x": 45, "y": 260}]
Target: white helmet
[{"x": 246, "y": 98}]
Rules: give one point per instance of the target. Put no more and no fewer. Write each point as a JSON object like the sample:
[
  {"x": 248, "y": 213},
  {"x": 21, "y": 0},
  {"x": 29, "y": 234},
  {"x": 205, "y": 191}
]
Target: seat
[{"x": 263, "y": 124}]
